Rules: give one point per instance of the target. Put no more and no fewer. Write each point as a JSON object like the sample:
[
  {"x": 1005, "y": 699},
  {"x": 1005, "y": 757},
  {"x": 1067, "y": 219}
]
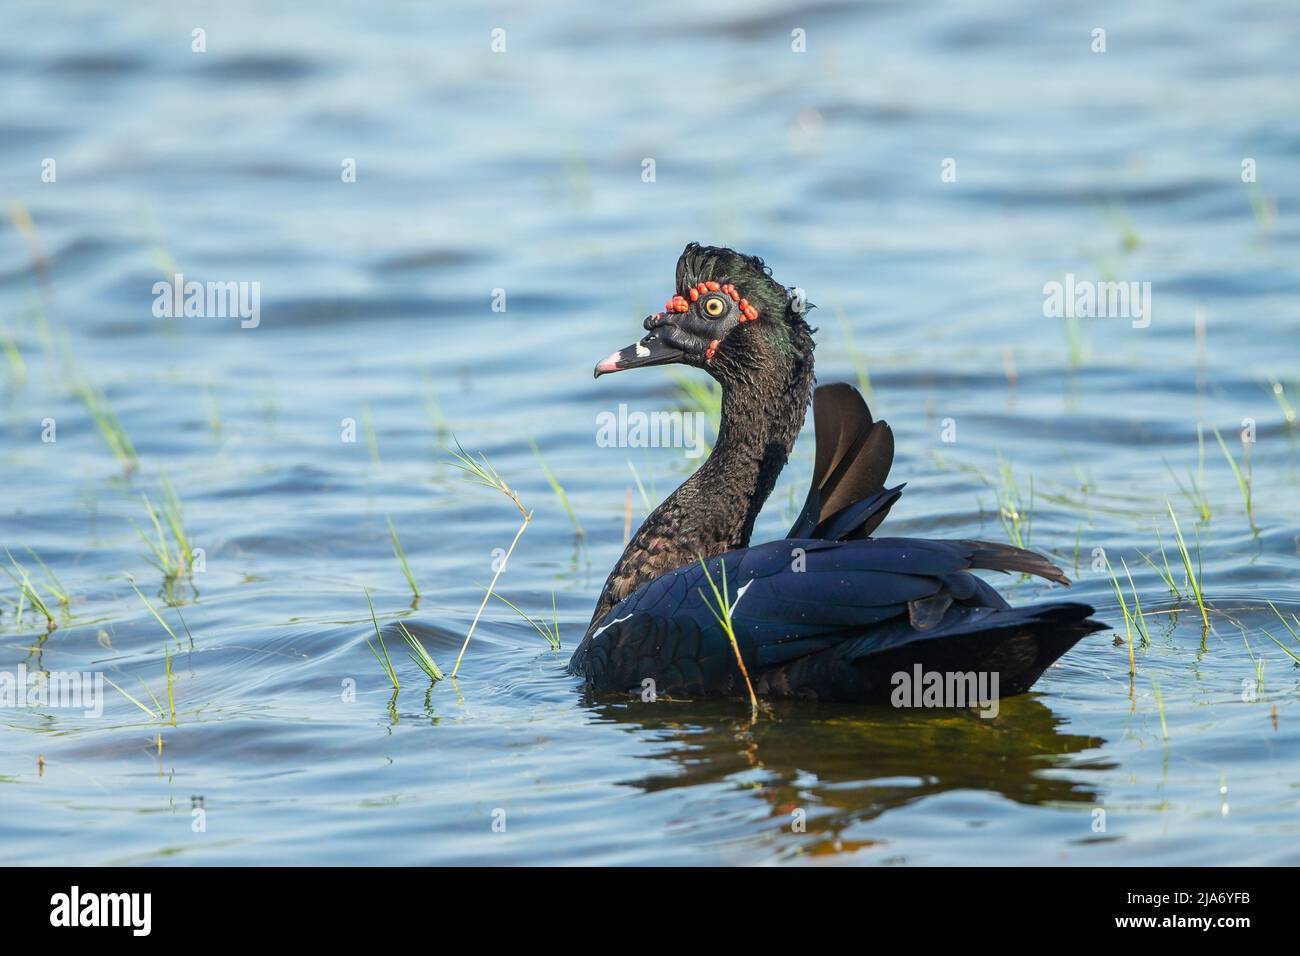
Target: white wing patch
[
  {"x": 618, "y": 620},
  {"x": 604, "y": 627}
]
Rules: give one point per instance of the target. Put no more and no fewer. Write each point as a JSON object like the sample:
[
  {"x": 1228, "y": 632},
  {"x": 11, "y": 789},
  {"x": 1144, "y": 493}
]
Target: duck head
[{"x": 728, "y": 317}]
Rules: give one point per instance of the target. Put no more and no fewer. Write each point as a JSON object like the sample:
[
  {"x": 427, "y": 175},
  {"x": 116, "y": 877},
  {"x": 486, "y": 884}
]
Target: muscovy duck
[{"x": 828, "y": 612}]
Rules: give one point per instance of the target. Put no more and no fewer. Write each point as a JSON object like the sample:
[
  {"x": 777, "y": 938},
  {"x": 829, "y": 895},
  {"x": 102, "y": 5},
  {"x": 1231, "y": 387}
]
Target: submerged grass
[
  {"x": 17, "y": 367},
  {"x": 159, "y": 618},
  {"x": 1076, "y": 342},
  {"x": 157, "y": 712},
  {"x": 368, "y": 426},
  {"x": 1194, "y": 578},
  {"x": 417, "y": 653},
  {"x": 52, "y": 585},
  {"x": 163, "y": 557},
  {"x": 558, "y": 489},
  {"x": 700, "y": 395},
  {"x": 1262, "y": 207},
  {"x": 171, "y": 509},
  {"x": 1128, "y": 619},
  {"x": 1293, "y": 631},
  {"x": 1258, "y": 662},
  {"x": 1160, "y": 708},
  {"x": 1166, "y": 573},
  {"x": 1245, "y": 479},
  {"x": 1139, "y": 619},
  {"x": 722, "y": 612},
  {"x": 172, "y": 557},
  {"x": 479, "y": 471},
  {"x": 856, "y": 358},
  {"x": 1278, "y": 392},
  {"x": 1115, "y": 213},
  {"x": 28, "y": 594},
  {"x": 171, "y": 696},
  {"x": 381, "y": 655},
  {"x": 110, "y": 427},
  {"x": 645, "y": 499},
  {"x": 213, "y": 412},
  {"x": 549, "y": 632},
  {"x": 1194, "y": 490},
  {"x": 1017, "y": 516},
  {"x": 1138, "y": 616},
  {"x": 154, "y": 714},
  {"x": 434, "y": 410},
  {"x": 401, "y": 557}
]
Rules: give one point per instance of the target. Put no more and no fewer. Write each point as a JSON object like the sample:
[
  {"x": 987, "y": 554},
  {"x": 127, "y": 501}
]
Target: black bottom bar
[{"x": 376, "y": 906}]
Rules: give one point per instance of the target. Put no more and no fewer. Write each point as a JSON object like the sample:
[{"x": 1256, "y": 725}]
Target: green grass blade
[
  {"x": 384, "y": 661},
  {"x": 154, "y": 612},
  {"x": 1183, "y": 553},
  {"x": 401, "y": 557},
  {"x": 558, "y": 489},
  {"x": 154, "y": 715},
  {"x": 421, "y": 656}
]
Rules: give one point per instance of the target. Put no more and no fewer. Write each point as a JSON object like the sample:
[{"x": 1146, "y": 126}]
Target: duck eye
[{"x": 714, "y": 307}]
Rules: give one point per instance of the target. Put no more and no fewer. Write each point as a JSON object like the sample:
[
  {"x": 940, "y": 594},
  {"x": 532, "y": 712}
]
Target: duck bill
[{"x": 651, "y": 350}]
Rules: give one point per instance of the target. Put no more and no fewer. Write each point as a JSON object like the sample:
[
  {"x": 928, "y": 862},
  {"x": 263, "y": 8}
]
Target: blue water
[{"x": 522, "y": 171}]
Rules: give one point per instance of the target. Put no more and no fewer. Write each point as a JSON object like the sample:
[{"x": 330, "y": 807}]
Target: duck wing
[
  {"x": 831, "y": 620},
  {"x": 853, "y": 458}
]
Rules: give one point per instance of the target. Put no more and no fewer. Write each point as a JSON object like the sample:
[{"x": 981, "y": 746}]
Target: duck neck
[
  {"x": 713, "y": 511},
  {"x": 760, "y": 422}
]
